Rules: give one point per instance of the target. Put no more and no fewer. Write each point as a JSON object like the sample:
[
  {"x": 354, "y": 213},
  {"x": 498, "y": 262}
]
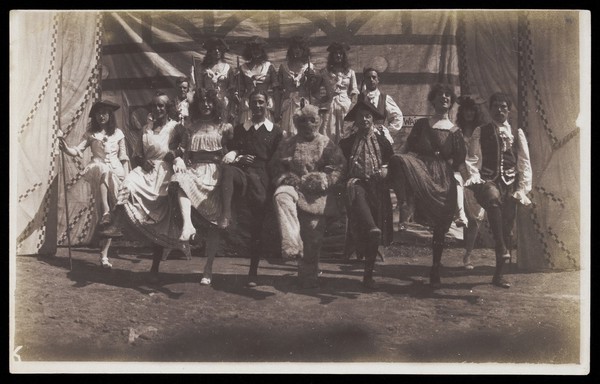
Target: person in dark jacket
[{"x": 252, "y": 147}]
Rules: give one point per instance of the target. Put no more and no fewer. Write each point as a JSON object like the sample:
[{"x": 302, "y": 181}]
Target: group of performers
[{"x": 297, "y": 139}]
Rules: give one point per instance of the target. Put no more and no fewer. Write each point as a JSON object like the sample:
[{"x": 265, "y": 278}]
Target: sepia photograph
[{"x": 398, "y": 191}]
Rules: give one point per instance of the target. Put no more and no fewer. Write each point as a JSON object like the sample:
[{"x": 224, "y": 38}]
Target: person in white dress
[
  {"x": 339, "y": 81},
  {"x": 296, "y": 78},
  {"x": 108, "y": 166},
  {"x": 143, "y": 197}
]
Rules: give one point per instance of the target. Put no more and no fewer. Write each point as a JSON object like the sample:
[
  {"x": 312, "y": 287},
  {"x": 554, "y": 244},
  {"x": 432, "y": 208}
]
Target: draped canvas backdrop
[{"x": 127, "y": 56}]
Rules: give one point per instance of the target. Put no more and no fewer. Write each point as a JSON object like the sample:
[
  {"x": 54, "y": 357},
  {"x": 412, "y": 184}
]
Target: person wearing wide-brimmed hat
[
  {"x": 368, "y": 202},
  {"x": 339, "y": 81},
  {"x": 109, "y": 162},
  {"x": 215, "y": 73},
  {"x": 257, "y": 73},
  {"x": 296, "y": 78}
]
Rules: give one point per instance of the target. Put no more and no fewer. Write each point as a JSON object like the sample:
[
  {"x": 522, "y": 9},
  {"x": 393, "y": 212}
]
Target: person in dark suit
[{"x": 254, "y": 143}]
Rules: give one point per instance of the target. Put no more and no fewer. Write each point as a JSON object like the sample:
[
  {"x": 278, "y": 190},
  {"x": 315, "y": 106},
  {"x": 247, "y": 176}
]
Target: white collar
[
  {"x": 267, "y": 123},
  {"x": 372, "y": 94},
  {"x": 505, "y": 125}
]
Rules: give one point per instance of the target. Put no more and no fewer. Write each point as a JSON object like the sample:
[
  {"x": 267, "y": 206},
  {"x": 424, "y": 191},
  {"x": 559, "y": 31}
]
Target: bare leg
[
  {"x": 104, "y": 195},
  {"x": 228, "y": 185},
  {"x": 470, "y": 234},
  {"x": 212, "y": 245},
  {"x": 461, "y": 219},
  {"x": 105, "y": 243},
  {"x": 188, "y": 231}
]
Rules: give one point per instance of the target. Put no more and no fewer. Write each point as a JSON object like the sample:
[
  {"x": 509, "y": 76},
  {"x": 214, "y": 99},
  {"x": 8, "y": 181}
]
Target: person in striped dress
[{"x": 198, "y": 179}]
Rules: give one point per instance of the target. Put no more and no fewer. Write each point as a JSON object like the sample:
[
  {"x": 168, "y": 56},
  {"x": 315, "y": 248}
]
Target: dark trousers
[
  {"x": 501, "y": 209},
  {"x": 234, "y": 181}
]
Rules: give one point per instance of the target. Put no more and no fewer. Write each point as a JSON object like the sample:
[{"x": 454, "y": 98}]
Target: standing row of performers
[
  {"x": 189, "y": 175},
  {"x": 334, "y": 88}
]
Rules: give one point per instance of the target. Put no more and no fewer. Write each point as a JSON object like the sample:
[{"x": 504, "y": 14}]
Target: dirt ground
[{"x": 90, "y": 314}]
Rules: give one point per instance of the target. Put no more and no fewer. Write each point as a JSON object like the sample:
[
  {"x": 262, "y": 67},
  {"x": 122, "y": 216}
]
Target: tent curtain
[
  {"x": 533, "y": 57},
  {"x": 549, "y": 230},
  {"x": 50, "y": 91},
  {"x": 126, "y": 57}
]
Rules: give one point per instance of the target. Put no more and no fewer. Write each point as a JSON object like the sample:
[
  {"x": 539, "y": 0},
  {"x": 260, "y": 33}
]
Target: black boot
[
  {"x": 371, "y": 254},
  {"x": 368, "y": 281},
  {"x": 498, "y": 279}
]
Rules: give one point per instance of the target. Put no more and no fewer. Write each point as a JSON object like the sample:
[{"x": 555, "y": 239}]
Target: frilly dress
[{"x": 341, "y": 86}]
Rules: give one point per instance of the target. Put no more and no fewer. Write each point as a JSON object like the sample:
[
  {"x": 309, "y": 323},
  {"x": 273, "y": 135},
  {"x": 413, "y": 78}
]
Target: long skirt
[
  {"x": 433, "y": 185},
  {"x": 150, "y": 213}
]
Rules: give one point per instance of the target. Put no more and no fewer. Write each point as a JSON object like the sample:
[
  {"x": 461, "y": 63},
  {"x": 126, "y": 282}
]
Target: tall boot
[
  {"x": 372, "y": 247},
  {"x": 156, "y": 259},
  {"x": 498, "y": 279}
]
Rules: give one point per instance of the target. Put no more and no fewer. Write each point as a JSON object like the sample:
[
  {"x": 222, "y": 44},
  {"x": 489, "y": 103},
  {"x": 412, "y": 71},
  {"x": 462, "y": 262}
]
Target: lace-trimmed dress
[
  {"x": 144, "y": 195},
  {"x": 200, "y": 182},
  {"x": 106, "y": 165}
]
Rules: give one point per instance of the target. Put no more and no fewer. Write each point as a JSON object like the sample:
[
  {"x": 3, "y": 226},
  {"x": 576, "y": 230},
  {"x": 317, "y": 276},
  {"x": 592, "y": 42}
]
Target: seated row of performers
[{"x": 185, "y": 180}]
